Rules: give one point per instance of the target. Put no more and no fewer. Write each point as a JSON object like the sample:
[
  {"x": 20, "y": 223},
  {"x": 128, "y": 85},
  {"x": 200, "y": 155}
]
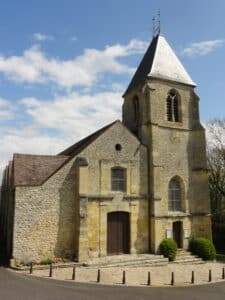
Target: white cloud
[
  {"x": 26, "y": 140},
  {"x": 203, "y": 48},
  {"x": 74, "y": 39},
  {"x": 71, "y": 117},
  {"x": 6, "y": 110},
  {"x": 34, "y": 66},
  {"x": 40, "y": 37},
  {"x": 75, "y": 114}
]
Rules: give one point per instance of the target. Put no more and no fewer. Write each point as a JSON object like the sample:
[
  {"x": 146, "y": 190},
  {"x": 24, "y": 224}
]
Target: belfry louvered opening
[{"x": 173, "y": 107}]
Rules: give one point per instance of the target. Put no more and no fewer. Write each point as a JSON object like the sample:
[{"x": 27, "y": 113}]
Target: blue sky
[{"x": 64, "y": 64}]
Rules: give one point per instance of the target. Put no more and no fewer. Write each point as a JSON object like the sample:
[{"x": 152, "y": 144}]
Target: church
[{"x": 124, "y": 188}]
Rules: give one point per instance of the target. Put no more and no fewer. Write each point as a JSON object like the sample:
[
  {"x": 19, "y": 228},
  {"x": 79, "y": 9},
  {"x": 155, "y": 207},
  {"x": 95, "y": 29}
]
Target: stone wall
[
  {"x": 44, "y": 222},
  {"x": 66, "y": 216},
  {"x": 176, "y": 149}
]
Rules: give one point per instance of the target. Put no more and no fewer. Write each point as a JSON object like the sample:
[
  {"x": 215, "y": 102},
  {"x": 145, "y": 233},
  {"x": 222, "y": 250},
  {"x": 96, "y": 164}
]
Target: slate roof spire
[{"x": 161, "y": 62}]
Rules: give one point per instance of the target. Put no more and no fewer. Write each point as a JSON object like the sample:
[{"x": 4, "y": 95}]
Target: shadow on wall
[
  {"x": 197, "y": 192},
  {"x": 65, "y": 246}
]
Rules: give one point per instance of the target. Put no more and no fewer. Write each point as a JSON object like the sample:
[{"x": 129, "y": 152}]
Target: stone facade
[
  {"x": 176, "y": 149},
  {"x": 67, "y": 215},
  {"x": 60, "y": 206}
]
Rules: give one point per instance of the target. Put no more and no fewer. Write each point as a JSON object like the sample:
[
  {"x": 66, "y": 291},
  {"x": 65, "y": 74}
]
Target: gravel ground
[{"x": 138, "y": 276}]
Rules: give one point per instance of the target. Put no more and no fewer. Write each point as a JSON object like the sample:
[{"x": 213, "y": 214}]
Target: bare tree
[{"x": 215, "y": 130}]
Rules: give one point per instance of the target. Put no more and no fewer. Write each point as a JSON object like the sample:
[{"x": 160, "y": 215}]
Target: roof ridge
[
  {"x": 38, "y": 155},
  {"x": 83, "y": 143}
]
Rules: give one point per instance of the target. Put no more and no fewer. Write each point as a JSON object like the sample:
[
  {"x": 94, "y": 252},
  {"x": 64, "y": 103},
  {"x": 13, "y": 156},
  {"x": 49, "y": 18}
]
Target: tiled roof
[{"x": 32, "y": 170}]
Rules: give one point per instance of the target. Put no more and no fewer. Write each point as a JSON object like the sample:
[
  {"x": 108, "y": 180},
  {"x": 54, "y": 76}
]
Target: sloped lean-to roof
[
  {"x": 161, "y": 62},
  {"x": 32, "y": 170}
]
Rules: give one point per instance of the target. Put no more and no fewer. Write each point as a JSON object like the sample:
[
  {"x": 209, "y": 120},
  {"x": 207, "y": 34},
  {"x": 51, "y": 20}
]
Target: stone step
[
  {"x": 183, "y": 257},
  {"x": 189, "y": 260},
  {"x": 144, "y": 263},
  {"x": 183, "y": 252},
  {"x": 132, "y": 261},
  {"x": 122, "y": 258}
]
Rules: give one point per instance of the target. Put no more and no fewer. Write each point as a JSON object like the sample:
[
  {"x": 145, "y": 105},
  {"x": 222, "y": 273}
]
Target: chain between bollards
[
  {"x": 172, "y": 279},
  {"x": 99, "y": 276},
  {"x": 210, "y": 275},
  {"x": 192, "y": 277},
  {"x": 50, "y": 270},
  {"x": 124, "y": 277},
  {"x": 31, "y": 268},
  {"x": 149, "y": 279},
  {"x": 74, "y": 273}
]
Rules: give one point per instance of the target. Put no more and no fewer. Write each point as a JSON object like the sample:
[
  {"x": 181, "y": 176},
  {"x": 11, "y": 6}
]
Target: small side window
[{"x": 118, "y": 179}]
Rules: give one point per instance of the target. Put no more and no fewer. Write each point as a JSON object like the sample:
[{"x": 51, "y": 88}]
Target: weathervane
[{"x": 156, "y": 24}]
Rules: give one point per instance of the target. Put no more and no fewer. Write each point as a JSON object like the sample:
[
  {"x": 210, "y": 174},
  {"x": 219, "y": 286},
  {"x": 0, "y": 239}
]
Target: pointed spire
[{"x": 161, "y": 62}]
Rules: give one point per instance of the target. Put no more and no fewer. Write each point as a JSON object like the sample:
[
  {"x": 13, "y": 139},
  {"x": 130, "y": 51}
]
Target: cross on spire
[{"x": 156, "y": 24}]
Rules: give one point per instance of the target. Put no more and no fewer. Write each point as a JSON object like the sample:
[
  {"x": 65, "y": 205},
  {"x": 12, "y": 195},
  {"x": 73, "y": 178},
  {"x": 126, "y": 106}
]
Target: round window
[{"x": 118, "y": 147}]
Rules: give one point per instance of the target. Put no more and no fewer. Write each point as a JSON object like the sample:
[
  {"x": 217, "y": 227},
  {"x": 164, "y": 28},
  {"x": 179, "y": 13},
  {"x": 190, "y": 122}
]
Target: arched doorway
[
  {"x": 178, "y": 233},
  {"x": 118, "y": 233}
]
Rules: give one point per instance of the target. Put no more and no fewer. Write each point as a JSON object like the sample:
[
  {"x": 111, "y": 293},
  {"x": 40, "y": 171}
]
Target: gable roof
[
  {"x": 79, "y": 146},
  {"x": 161, "y": 62},
  {"x": 34, "y": 170}
]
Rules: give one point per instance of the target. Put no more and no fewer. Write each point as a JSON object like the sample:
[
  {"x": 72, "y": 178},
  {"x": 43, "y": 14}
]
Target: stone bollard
[
  {"x": 210, "y": 275},
  {"x": 99, "y": 275},
  {"x": 223, "y": 273},
  {"x": 149, "y": 279},
  {"x": 124, "y": 277},
  {"x": 192, "y": 277},
  {"x": 172, "y": 279},
  {"x": 74, "y": 273},
  {"x": 50, "y": 270}
]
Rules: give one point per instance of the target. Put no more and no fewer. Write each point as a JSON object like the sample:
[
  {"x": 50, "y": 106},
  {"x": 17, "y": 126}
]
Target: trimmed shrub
[
  {"x": 203, "y": 247},
  {"x": 168, "y": 248},
  {"x": 46, "y": 261}
]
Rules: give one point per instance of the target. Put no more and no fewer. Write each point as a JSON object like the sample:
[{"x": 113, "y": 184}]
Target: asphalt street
[{"x": 14, "y": 286}]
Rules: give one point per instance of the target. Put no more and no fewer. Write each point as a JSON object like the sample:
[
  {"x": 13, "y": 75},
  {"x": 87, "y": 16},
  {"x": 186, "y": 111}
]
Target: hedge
[
  {"x": 203, "y": 248},
  {"x": 168, "y": 248}
]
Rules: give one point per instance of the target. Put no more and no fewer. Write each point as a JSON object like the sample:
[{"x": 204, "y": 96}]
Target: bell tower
[{"x": 162, "y": 109}]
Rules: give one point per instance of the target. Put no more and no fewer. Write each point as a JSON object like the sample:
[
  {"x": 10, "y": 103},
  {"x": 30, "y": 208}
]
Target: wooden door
[
  {"x": 118, "y": 233},
  {"x": 177, "y": 233}
]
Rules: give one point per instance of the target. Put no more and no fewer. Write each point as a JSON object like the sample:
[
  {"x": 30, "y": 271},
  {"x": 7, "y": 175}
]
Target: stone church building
[{"x": 125, "y": 187}]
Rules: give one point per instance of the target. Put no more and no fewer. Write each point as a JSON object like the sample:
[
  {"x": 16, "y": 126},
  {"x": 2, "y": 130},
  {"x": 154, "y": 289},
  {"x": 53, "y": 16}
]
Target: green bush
[
  {"x": 46, "y": 261},
  {"x": 168, "y": 248},
  {"x": 203, "y": 247}
]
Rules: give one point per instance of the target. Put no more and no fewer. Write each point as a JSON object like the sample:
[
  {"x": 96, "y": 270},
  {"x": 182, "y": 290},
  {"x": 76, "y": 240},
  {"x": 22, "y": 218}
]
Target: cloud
[
  {"x": 202, "y": 48},
  {"x": 75, "y": 114},
  {"x": 57, "y": 123},
  {"x": 40, "y": 37},
  {"x": 74, "y": 39},
  {"x": 6, "y": 110},
  {"x": 26, "y": 140},
  {"x": 34, "y": 66}
]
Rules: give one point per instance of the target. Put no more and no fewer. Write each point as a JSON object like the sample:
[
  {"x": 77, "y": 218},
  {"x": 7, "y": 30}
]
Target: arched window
[
  {"x": 173, "y": 107},
  {"x": 175, "y": 195},
  {"x": 136, "y": 108},
  {"x": 118, "y": 179}
]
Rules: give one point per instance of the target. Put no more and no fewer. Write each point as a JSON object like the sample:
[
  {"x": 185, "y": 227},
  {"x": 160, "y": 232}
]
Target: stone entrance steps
[
  {"x": 128, "y": 260},
  {"x": 184, "y": 256}
]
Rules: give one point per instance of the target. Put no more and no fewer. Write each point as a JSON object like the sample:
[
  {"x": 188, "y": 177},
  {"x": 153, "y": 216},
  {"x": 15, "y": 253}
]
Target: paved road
[{"x": 18, "y": 287}]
